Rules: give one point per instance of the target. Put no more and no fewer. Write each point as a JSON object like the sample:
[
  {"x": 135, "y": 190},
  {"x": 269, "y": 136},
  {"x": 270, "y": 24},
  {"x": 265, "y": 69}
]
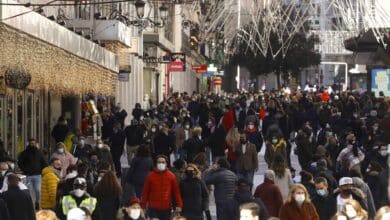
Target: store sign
[
  {"x": 200, "y": 68},
  {"x": 123, "y": 76},
  {"x": 168, "y": 58},
  {"x": 176, "y": 66}
]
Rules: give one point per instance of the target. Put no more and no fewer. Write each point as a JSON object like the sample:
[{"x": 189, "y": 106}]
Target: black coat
[
  {"x": 108, "y": 206},
  {"x": 134, "y": 135},
  {"x": 137, "y": 113},
  {"x": 195, "y": 198},
  {"x": 139, "y": 170},
  {"x": 216, "y": 142},
  {"x": 31, "y": 161},
  {"x": 326, "y": 206},
  {"x": 231, "y": 207},
  {"x": 256, "y": 139},
  {"x": 117, "y": 144},
  {"x": 163, "y": 144},
  {"x": 224, "y": 182},
  {"x": 19, "y": 203},
  {"x": 59, "y": 132},
  {"x": 193, "y": 146},
  {"x": 4, "y": 214}
]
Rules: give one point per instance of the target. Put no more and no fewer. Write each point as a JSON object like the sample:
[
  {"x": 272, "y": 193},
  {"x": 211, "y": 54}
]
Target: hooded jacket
[
  {"x": 224, "y": 182},
  {"x": 159, "y": 189},
  {"x": 50, "y": 181}
]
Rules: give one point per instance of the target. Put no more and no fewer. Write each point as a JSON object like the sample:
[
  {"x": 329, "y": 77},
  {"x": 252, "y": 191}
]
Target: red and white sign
[
  {"x": 176, "y": 66},
  {"x": 200, "y": 68}
]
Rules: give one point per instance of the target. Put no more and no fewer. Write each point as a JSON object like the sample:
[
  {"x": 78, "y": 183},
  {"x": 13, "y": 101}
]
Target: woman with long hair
[
  {"x": 298, "y": 205},
  {"x": 107, "y": 193},
  {"x": 283, "y": 177},
  {"x": 194, "y": 193},
  {"x": 232, "y": 139},
  {"x": 354, "y": 211}
]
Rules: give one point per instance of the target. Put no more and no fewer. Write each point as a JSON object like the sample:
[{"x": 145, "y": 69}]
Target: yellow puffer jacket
[{"x": 49, "y": 188}]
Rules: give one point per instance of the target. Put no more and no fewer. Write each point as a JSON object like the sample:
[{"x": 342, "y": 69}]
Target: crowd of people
[{"x": 190, "y": 145}]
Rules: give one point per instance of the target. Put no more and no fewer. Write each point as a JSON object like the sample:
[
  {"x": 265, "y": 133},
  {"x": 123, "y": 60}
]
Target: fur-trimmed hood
[{"x": 356, "y": 193}]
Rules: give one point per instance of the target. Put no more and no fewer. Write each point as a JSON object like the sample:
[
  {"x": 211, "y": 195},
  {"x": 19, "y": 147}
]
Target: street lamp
[
  {"x": 140, "y": 8},
  {"x": 163, "y": 12}
]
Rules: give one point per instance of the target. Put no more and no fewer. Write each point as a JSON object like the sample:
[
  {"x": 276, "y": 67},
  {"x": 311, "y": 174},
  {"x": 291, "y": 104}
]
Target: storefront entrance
[{"x": 20, "y": 119}]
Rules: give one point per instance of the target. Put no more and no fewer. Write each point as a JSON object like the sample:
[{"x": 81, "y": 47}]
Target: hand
[{"x": 178, "y": 209}]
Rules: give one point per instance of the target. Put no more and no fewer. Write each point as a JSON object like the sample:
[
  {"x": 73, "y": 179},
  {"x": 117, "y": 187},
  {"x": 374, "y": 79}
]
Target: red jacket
[
  {"x": 159, "y": 189},
  {"x": 228, "y": 120},
  {"x": 271, "y": 196}
]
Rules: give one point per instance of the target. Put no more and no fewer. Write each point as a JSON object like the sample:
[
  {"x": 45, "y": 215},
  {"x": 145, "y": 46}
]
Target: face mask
[
  {"x": 383, "y": 153},
  {"x": 12, "y": 166},
  {"x": 321, "y": 192},
  {"x": 100, "y": 146},
  {"x": 161, "y": 166},
  {"x": 141, "y": 118},
  {"x": 153, "y": 130},
  {"x": 57, "y": 168},
  {"x": 99, "y": 178},
  {"x": 187, "y": 127},
  {"x": 82, "y": 142},
  {"x": 78, "y": 192},
  {"x": 347, "y": 191},
  {"x": 190, "y": 174},
  {"x": 60, "y": 150},
  {"x": 351, "y": 213},
  {"x": 242, "y": 141},
  {"x": 3, "y": 172},
  {"x": 274, "y": 141},
  {"x": 251, "y": 126},
  {"x": 299, "y": 198},
  {"x": 135, "y": 213}
]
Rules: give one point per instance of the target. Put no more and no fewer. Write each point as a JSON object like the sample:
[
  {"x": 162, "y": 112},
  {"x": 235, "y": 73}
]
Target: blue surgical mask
[
  {"x": 82, "y": 142},
  {"x": 321, "y": 192}
]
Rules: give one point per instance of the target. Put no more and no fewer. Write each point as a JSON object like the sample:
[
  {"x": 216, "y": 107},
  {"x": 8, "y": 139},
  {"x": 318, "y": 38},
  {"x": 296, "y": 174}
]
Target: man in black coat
[
  {"x": 134, "y": 137},
  {"x": 324, "y": 200},
  {"x": 31, "y": 161},
  {"x": 117, "y": 140},
  {"x": 4, "y": 214},
  {"x": 216, "y": 142},
  {"x": 231, "y": 207},
  {"x": 60, "y": 130},
  {"x": 19, "y": 203},
  {"x": 164, "y": 142}
]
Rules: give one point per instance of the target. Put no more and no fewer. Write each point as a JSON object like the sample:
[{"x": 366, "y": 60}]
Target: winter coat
[
  {"x": 255, "y": 138},
  {"x": 19, "y": 204},
  {"x": 271, "y": 150},
  {"x": 271, "y": 196},
  {"x": 384, "y": 198},
  {"x": 193, "y": 146},
  {"x": 108, "y": 206},
  {"x": 139, "y": 170},
  {"x": 31, "y": 161},
  {"x": 50, "y": 180},
  {"x": 356, "y": 194},
  {"x": 163, "y": 144},
  {"x": 82, "y": 152},
  {"x": 134, "y": 135},
  {"x": 224, "y": 182},
  {"x": 195, "y": 198},
  {"x": 4, "y": 214},
  {"x": 66, "y": 160},
  {"x": 359, "y": 183},
  {"x": 59, "y": 132},
  {"x": 305, "y": 150},
  {"x": 291, "y": 211},
  {"x": 159, "y": 190},
  {"x": 231, "y": 207},
  {"x": 228, "y": 120},
  {"x": 247, "y": 161},
  {"x": 326, "y": 205},
  {"x": 216, "y": 142},
  {"x": 117, "y": 144}
]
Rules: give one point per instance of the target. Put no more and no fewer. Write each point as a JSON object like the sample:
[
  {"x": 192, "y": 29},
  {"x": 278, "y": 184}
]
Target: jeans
[
  {"x": 34, "y": 185},
  {"x": 248, "y": 175}
]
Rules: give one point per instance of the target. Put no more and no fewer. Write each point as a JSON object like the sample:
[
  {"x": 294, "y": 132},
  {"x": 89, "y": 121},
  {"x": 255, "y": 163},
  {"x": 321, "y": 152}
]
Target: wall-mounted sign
[
  {"x": 176, "y": 66},
  {"x": 123, "y": 76},
  {"x": 168, "y": 58},
  {"x": 200, "y": 68}
]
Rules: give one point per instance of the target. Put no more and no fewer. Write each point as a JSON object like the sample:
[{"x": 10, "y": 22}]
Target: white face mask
[
  {"x": 153, "y": 130},
  {"x": 135, "y": 213},
  {"x": 186, "y": 126},
  {"x": 61, "y": 150},
  {"x": 100, "y": 146},
  {"x": 99, "y": 178},
  {"x": 12, "y": 166},
  {"x": 3, "y": 172},
  {"x": 299, "y": 198},
  {"x": 78, "y": 192},
  {"x": 251, "y": 126},
  {"x": 161, "y": 166}
]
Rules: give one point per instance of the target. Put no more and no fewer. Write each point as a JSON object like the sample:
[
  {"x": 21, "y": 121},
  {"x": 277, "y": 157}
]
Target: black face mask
[
  {"x": 58, "y": 169},
  {"x": 242, "y": 141},
  {"x": 189, "y": 174},
  {"x": 346, "y": 191}
]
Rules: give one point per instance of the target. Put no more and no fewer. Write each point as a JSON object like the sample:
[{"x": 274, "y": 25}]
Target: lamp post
[
  {"x": 142, "y": 22},
  {"x": 140, "y": 8}
]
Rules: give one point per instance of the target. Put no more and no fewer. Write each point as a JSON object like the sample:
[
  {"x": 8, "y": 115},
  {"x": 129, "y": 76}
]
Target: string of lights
[{"x": 91, "y": 3}]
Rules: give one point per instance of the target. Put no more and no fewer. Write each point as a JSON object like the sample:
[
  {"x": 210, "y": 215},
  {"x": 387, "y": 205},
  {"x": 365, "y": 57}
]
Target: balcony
[{"x": 105, "y": 30}]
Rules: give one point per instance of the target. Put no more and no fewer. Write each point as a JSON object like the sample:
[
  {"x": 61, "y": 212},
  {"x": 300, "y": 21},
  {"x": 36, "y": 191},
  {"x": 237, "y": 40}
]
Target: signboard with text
[
  {"x": 200, "y": 68},
  {"x": 176, "y": 66}
]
